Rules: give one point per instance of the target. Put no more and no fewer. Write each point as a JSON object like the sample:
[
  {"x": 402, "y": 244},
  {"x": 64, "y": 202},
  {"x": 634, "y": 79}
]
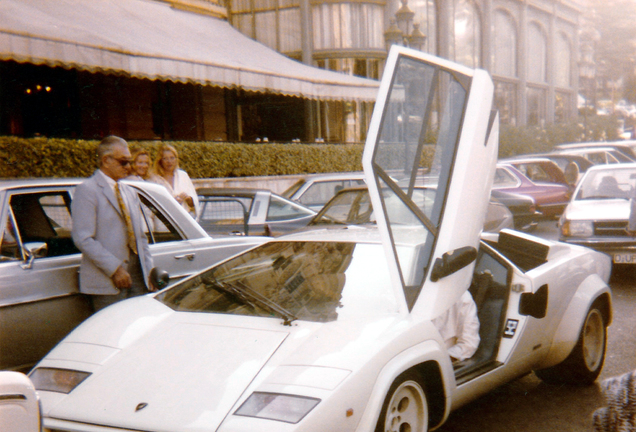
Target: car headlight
[
  {"x": 572, "y": 228},
  {"x": 57, "y": 380},
  {"x": 273, "y": 406}
]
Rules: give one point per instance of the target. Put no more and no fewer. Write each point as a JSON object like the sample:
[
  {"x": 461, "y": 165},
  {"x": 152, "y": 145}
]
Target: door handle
[{"x": 189, "y": 256}]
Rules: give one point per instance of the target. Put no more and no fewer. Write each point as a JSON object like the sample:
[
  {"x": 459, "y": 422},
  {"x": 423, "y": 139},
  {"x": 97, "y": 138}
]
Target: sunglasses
[{"x": 123, "y": 162}]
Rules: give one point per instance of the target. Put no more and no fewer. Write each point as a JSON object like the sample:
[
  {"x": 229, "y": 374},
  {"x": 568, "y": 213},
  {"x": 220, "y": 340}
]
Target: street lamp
[
  {"x": 587, "y": 73},
  {"x": 400, "y": 33}
]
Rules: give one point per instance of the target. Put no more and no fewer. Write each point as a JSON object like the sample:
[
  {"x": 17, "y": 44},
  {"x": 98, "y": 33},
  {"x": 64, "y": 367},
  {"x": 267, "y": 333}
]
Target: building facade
[
  {"x": 87, "y": 71},
  {"x": 529, "y": 46}
]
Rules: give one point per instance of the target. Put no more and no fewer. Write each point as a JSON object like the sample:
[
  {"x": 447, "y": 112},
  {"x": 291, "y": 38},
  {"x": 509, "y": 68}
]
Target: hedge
[
  {"x": 55, "y": 157},
  {"x": 42, "y": 157}
]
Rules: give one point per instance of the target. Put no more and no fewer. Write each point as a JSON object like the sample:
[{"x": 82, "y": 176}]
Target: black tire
[
  {"x": 405, "y": 407},
  {"x": 585, "y": 362}
]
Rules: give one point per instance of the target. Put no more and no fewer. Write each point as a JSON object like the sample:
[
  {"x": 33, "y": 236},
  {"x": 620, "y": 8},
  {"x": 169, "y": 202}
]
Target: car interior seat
[{"x": 608, "y": 187}]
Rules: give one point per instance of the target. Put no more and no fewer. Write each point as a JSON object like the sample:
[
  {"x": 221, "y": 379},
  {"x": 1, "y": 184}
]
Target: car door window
[
  {"x": 9, "y": 248},
  {"x": 221, "y": 214},
  {"x": 321, "y": 192},
  {"x": 158, "y": 227},
  {"x": 597, "y": 158},
  {"x": 44, "y": 218},
  {"x": 503, "y": 179},
  {"x": 284, "y": 210},
  {"x": 219, "y": 210}
]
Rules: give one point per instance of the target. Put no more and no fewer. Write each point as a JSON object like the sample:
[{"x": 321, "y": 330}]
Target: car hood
[
  {"x": 170, "y": 372},
  {"x": 188, "y": 371},
  {"x": 604, "y": 209}
]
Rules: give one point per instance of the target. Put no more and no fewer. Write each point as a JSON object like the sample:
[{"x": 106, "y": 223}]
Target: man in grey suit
[{"x": 108, "y": 230}]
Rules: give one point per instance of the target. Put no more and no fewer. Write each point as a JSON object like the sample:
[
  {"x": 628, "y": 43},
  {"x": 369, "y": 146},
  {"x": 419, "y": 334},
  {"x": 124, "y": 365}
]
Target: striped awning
[{"x": 150, "y": 39}]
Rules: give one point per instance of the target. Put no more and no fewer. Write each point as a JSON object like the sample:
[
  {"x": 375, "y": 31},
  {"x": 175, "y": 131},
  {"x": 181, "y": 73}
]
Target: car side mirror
[
  {"x": 159, "y": 278},
  {"x": 34, "y": 250},
  {"x": 453, "y": 261},
  {"x": 534, "y": 304}
]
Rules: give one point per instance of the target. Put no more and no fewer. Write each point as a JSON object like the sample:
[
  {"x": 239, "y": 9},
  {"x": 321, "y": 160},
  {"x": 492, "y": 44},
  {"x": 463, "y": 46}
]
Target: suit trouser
[{"x": 137, "y": 288}]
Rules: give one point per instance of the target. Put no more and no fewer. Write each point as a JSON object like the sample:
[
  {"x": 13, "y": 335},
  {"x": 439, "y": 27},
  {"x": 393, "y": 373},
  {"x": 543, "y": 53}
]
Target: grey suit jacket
[{"x": 99, "y": 232}]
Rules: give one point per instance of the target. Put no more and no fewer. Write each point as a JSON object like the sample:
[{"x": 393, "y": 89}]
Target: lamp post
[
  {"x": 587, "y": 73},
  {"x": 400, "y": 33}
]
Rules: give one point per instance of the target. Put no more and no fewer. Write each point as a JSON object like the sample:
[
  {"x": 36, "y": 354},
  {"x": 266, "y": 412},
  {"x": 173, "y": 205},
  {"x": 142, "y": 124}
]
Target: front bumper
[{"x": 621, "y": 250}]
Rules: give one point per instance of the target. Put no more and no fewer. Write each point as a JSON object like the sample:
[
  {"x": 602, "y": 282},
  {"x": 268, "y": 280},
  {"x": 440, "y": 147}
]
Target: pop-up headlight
[
  {"x": 57, "y": 380},
  {"x": 281, "y": 407}
]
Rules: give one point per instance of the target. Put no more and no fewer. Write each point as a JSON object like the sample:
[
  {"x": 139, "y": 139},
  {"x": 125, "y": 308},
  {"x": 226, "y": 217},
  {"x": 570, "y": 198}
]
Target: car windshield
[
  {"x": 353, "y": 207},
  {"x": 608, "y": 184},
  {"x": 312, "y": 281}
]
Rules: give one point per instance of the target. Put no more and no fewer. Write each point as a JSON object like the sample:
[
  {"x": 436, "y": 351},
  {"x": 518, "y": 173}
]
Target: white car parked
[
  {"x": 332, "y": 330},
  {"x": 599, "y": 212}
]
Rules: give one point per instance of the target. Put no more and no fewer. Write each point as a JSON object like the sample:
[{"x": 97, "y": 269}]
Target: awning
[{"x": 149, "y": 39}]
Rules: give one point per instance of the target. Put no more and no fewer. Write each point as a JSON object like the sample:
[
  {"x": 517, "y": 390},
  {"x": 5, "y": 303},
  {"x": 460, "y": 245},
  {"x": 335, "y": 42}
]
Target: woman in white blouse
[{"x": 176, "y": 180}]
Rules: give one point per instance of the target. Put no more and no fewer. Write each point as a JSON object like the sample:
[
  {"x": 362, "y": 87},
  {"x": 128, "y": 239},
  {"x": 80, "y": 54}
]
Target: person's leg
[
  {"x": 136, "y": 274},
  {"x": 102, "y": 301}
]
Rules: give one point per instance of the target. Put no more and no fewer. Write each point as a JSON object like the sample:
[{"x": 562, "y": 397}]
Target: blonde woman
[
  {"x": 176, "y": 180},
  {"x": 140, "y": 165}
]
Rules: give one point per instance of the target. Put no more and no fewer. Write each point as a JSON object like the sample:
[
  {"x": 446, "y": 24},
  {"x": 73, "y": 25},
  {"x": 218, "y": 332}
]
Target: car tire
[
  {"x": 585, "y": 362},
  {"x": 405, "y": 407}
]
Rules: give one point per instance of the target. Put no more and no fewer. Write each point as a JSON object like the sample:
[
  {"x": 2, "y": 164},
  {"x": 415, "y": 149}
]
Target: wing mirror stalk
[
  {"x": 534, "y": 304},
  {"x": 33, "y": 250},
  {"x": 452, "y": 261}
]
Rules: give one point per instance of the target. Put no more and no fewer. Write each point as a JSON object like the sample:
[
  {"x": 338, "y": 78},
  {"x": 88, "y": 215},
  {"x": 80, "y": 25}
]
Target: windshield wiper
[{"x": 250, "y": 297}]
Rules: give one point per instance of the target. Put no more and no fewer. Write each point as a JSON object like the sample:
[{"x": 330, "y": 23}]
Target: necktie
[{"x": 130, "y": 233}]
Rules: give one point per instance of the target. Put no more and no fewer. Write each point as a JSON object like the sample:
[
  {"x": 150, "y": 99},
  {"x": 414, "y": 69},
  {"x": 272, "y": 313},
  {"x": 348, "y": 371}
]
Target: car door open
[{"x": 433, "y": 126}]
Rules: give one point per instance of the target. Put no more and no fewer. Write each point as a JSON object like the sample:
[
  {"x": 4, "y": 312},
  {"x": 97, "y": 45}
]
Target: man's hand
[
  {"x": 122, "y": 278},
  {"x": 151, "y": 286}
]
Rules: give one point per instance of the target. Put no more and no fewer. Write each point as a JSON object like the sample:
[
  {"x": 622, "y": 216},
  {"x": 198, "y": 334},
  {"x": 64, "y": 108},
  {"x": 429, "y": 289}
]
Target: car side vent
[{"x": 522, "y": 251}]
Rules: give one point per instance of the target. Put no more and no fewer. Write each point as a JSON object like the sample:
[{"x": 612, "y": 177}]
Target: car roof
[
  {"x": 246, "y": 192},
  {"x": 31, "y": 182},
  {"x": 527, "y": 160},
  {"x": 612, "y": 167},
  {"x": 368, "y": 234},
  {"x": 580, "y": 150},
  {"x": 595, "y": 144},
  {"x": 334, "y": 176}
]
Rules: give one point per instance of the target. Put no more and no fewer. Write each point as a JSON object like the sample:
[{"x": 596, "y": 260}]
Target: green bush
[
  {"x": 53, "y": 157},
  {"x": 515, "y": 140},
  {"x": 42, "y": 157}
]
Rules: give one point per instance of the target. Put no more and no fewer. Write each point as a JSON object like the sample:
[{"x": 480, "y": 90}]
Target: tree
[{"x": 611, "y": 24}]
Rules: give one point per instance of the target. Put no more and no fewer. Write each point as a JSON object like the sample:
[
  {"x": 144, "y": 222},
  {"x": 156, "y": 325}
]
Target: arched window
[
  {"x": 505, "y": 44},
  {"x": 466, "y": 46},
  {"x": 537, "y": 53},
  {"x": 426, "y": 17},
  {"x": 563, "y": 53}
]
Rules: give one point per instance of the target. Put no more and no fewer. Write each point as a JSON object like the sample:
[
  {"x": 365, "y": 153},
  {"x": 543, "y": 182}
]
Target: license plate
[{"x": 625, "y": 258}]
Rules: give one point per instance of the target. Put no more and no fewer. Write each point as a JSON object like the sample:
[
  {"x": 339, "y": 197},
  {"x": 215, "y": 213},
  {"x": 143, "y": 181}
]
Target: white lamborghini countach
[{"x": 333, "y": 329}]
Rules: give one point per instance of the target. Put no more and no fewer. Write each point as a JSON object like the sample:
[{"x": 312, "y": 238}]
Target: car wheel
[
  {"x": 405, "y": 408},
  {"x": 584, "y": 364}
]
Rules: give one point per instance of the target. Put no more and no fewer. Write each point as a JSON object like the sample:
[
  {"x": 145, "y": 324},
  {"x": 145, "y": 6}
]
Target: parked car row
[{"x": 601, "y": 209}]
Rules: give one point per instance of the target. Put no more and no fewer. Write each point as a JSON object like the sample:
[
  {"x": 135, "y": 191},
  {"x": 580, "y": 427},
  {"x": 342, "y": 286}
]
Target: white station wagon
[{"x": 332, "y": 329}]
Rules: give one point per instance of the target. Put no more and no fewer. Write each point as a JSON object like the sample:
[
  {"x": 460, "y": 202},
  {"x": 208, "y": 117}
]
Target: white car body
[{"x": 332, "y": 329}]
